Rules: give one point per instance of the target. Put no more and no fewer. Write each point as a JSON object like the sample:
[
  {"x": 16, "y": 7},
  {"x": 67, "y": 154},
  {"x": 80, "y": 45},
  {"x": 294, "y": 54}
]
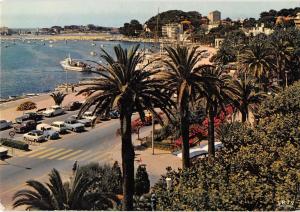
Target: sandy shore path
[{"x": 8, "y": 110}]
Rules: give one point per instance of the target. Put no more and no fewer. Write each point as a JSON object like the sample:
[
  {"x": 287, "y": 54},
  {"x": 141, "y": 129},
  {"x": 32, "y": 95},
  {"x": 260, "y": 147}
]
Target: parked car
[
  {"x": 104, "y": 118},
  {"x": 114, "y": 114},
  {"x": 48, "y": 131},
  {"x": 74, "y": 126},
  {"x": 89, "y": 115},
  {"x": 29, "y": 116},
  {"x": 53, "y": 111},
  {"x": 34, "y": 135},
  {"x": 4, "y": 124},
  {"x": 3, "y": 152},
  {"x": 86, "y": 122},
  {"x": 25, "y": 126},
  {"x": 59, "y": 126},
  {"x": 73, "y": 105}
]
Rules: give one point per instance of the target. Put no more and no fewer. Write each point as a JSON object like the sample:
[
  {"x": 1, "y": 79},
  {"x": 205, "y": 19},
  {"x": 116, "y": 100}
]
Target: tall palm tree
[
  {"x": 184, "y": 77},
  {"x": 247, "y": 96},
  {"x": 282, "y": 55},
  {"x": 128, "y": 85},
  {"x": 257, "y": 59},
  {"x": 58, "y": 97},
  {"x": 217, "y": 94},
  {"x": 56, "y": 195}
]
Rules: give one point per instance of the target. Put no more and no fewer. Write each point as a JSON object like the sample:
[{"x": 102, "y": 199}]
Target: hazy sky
[{"x": 45, "y": 13}]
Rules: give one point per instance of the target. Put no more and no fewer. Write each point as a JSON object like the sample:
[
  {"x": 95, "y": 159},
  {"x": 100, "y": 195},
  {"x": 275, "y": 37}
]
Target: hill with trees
[{"x": 173, "y": 16}]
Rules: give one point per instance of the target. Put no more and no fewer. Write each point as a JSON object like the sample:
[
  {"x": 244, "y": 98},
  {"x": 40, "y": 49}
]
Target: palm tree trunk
[
  {"x": 184, "y": 127},
  {"x": 211, "y": 132},
  {"x": 127, "y": 161}
]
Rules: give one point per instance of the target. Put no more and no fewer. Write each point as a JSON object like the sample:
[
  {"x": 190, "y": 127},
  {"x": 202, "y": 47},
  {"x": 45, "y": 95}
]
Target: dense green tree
[
  {"x": 131, "y": 88},
  {"x": 183, "y": 75},
  {"x": 258, "y": 168},
  {"x": 142, "y": 182},
  {"x": 134, "y": 28},
  {"x": 57, "y": 195}
]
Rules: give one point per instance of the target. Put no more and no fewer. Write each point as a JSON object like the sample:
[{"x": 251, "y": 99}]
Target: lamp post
[
  {"x": 153, "y": 128},
  {"x": 286, "y": 80},
  {"x": 169, "y": 183}
]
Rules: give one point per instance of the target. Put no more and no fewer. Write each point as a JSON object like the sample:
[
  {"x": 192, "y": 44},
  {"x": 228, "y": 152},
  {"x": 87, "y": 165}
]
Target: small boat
[
  {"x": 50, "y": 45},
  {"x": 74, "y": 65},
  {"x": 93, "y": 44},
  {"x": 93, "y": 53},
  {"x": 50, "y": 41}
]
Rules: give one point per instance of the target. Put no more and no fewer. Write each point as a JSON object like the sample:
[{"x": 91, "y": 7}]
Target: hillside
[{"x": 174, "y": 16}]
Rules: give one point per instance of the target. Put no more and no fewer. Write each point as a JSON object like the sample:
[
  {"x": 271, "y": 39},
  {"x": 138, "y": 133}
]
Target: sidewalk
[{"x": 155, "y": 164}]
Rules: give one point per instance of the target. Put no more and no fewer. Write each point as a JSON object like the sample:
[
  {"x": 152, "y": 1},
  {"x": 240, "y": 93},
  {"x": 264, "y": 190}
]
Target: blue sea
[{"x": 33, "y": 66}]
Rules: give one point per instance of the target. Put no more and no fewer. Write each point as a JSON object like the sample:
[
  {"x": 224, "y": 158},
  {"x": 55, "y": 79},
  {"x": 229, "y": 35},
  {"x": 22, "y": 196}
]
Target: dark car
[
  {"x": 29, "y": 116},
  {"x": 73, "y": 106},
  {"x": 25, "y": 126}
]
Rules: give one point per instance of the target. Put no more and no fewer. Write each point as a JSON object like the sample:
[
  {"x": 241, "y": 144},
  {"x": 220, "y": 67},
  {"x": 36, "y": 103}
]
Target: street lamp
[
  {"x": 153, "y": 128},
  {"x": 169, "y": 183},
  {"x": 286, "y": 80}
]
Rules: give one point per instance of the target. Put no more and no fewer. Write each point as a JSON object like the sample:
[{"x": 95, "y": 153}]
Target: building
[
  {"x": 5, "y": 31},
  {"x": 297, "y": 21},
  {"x": 259, "y": 30},
  {"x": 172, "y": 31},
  {"x": 218, "y": 42},
  {"x": 214, "y": 17}
]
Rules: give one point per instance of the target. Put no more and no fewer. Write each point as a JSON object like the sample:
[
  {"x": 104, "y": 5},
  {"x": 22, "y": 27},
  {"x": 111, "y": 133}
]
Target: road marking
[
  {"x": 77, "y": 157},
  {"x": 31, "y": 152},
  {"x": 51, "y": 153},
  {"x": 101, "y": 158},
  {"x": 69, "y": 155},
  {"x": 60, "y": 154},
  {"x": 40, "y": 152},
  {"x": 88, "y": 156}
]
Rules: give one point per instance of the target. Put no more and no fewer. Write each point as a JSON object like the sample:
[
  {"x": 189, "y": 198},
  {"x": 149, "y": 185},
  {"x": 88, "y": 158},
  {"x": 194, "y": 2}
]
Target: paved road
[{"x": 95, "y": 145}]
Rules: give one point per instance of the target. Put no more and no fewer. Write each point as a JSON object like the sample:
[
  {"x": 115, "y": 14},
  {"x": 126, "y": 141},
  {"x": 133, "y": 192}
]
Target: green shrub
[
  {"x": 14, "y": 144},
  {"x": 141, "y": 183},
  {"x": 288, "y": 101}
]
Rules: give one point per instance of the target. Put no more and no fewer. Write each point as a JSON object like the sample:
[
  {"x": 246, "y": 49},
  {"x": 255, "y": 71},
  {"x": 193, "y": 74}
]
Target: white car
[
  {"x": 59, "y": 126},
  {"x": 53, "y": 111},
  {"x": 4, "y": 124},
  {"x": 34, "y": 135},
  {"x": 89, "y": 115}
]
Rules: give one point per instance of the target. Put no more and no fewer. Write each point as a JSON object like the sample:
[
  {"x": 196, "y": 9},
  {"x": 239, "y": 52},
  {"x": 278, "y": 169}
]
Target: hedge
[{"x": 14, "y": 143}]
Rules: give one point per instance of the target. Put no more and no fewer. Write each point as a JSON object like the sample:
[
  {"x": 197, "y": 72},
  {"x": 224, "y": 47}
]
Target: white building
[
  {"x": 172, "y": 31},
  {"x": 258, "y": 30}
]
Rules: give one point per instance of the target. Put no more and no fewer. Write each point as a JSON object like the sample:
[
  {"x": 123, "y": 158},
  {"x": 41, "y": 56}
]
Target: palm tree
[
  {"x": 224, "y": 55},
  {"x": 246, "y": 96},
  {"x": 183, "y": 76},
  {"x": 217, "y": 94},
  {"x": 128, "y": 85},
  {"x": 257, "y": 59},
  {"x": 58, "y": 98},
  {"x": 56, "y": 195}
]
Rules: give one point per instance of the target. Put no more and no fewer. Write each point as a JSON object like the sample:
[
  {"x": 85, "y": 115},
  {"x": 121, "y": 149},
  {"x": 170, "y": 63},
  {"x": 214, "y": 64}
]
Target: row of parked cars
[{"x": 35, "y": 131}]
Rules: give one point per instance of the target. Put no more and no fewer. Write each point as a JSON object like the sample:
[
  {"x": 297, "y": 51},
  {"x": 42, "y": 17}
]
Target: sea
[{"x": 33, "y": 66}]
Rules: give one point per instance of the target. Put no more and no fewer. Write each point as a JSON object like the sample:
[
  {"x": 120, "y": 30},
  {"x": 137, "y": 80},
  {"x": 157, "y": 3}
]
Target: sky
[{"x": 47, "y": 13}]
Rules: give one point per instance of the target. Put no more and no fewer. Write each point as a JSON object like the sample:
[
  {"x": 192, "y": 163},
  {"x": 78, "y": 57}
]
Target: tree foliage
[
  {"x": 28, "y": 105},
  {"x": 58, "y": 97},
  {"x": 57, "y": 195},
  {"x": 258, "y": 169},
  {"x": 142, "y": 182}
]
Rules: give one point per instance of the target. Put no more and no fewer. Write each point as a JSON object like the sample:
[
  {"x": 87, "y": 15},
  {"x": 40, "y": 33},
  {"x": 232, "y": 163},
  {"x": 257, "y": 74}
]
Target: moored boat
[{"x": 74, "y": 65}]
